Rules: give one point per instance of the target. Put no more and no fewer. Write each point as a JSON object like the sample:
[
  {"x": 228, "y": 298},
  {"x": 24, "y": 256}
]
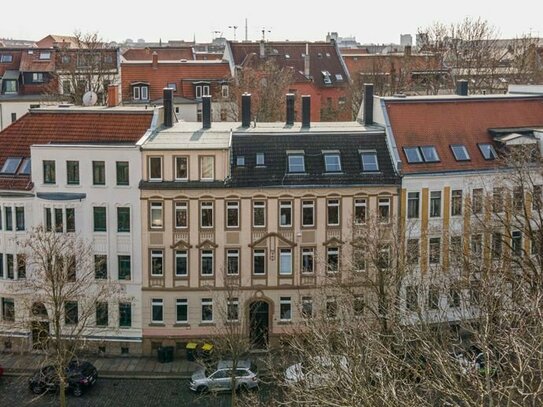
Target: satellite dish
[{"x": 90, "y": 98}]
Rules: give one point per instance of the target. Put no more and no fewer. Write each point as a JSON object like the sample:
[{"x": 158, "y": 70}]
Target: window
[
  {"x": 72, "y": 172},
  {"x": 429, "y": 153},
  {"x": 155, "y": 168},
  {"x": 125, "y": 315},
  {"x": 259, "y": 214},
  {"x": 181, "y": 311},
  {"x": 140, "y": 92},
  {"x": 181, "y": 215},
  {"x": 232, "y": 310},
  {"x": 123, "y": 172},
  {"x": 285, "y": 309},
  {"x": 25, "y": 167},
  {"x": 413, "y": 199},
  {"x": 369, "y": 161},
  {"x": 332, "y": 259},
  {"x": 332, "y": 162},
  {"x": 37, "y": 77},
  {"x": 413, "y": 155},
  {"x": 259, "y": 261},
  {"x": 285, "y": 213},
  {"x": 21, "y": 266},
  {"x": 454, "y": 297},
  {"x": 488, "y": 152},
  {"x": 537, "y": 196},
  {"x": 181, "y": 263},
  {"x": 8, "y": 309},
  {"x": 331, "y": 308},
  {"x": 296, "y": 163},
  {"x": 206, "y": 260},
  {"x": 497, "y": 245},
  {"x": 6, "y": 58},
  {"x": 157, "y": 263},
  {"x": 9, "y": 217},
  {"x": 260, "y": 159},
  {"x": 477, "y": 201},
  {"x": 516, "y": 243},
  {"x": 124, "y": 267},
  {"x": 359, "y": 259},
  {"x": 412, "y": 252},
  {"x": 285, "y": 261},
  {"x": 476, "y": 245},
  {"x": 172, "y": 86},
  {"x": 49, "y": 172},
  {"x": 10, "y": 266},
  {"x": 100, "y": 266},
  {"x": 19, "y": 218},
  {"x": 157, "y": 310},
  {"x": 181, "y": 168},
  {"x": 384, "y": 210},
  {"x": 435, "y": 204},
  {"x": 66, "y": 87},
  {"x": 202, "y": 90},
  {"x": 232, "y": 214},
  {"x": 206, "y": 214},
  {"x": 456, "y": 248},
  {"x": 207, "y": 310},
  {"x": 456, "y": 202},
  {"x": 411, "y": 298},
  {"x": 70, "y": 219},
  {"x": 308, "y": 260},
  {"x": 360, "y": 211},
  {"x": 11, "y": 165},
  {"x": 98, "y": 173},
  {"x": 308, "y": 213},
  {"x": 433, "y": 298},
  {"x": 71, "y": 312},
  {"x": 123, "y": 219},
  {"x": 240, "y": 161},
  {"x": 156, "y": 215},
  {"x": 207, "y": 168},
  {"x": 307, "y": 307},
  {"x": 59, "y": 221},
  {"x": 224, "y": 91},
  {"x": 332, "y": 212},
  {"x": 460, "y": 152},
  {"x": 45, "y": 55},
  {"x": 102, "y": 318},
  {"x": 518, "y": 199},
  {"x": 434, "y": 255},
  {"x": 232, "y": 262},
  {"x": 100, "y": 219}
]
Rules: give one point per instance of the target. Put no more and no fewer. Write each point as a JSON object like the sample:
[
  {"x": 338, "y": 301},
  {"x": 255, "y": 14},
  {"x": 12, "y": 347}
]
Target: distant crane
[{"x": 234, "y": 27}]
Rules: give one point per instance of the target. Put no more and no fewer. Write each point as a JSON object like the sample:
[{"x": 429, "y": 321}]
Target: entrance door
[
  {"x": 259, "y": 313},
  {"x": 40, "y": 334}
]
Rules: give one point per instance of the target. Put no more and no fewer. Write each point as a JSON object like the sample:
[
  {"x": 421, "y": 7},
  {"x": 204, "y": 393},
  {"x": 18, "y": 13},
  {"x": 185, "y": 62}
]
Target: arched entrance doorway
[
  {"x": 39, "y": 326},
  {"x": 259, "y": 324}
]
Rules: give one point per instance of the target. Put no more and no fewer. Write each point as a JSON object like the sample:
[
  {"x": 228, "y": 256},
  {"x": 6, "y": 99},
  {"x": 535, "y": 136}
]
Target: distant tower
[
  {"x": 406, "y": 40},
  {"x": 246, "y": 31}
]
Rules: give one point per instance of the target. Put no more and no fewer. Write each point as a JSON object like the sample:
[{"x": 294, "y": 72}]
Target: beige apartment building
[{"x": 270, "y": 209}]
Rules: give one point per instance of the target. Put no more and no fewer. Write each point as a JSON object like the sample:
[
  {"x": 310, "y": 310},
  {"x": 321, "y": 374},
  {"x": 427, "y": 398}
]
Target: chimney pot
[
  {"x": 168, "y": 107},
  {"x": 368, "y": 104},
  {"x": 306, "y": 111},
  {"x": 462, "y": 87},
  {"x": 290, "y": 109},
  {"x": 246, "y": 110},
  {"x": 206, "y": 112}
]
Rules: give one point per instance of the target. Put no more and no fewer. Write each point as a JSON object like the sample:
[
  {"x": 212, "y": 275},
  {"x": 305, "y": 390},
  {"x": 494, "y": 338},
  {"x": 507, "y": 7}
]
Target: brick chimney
[
  {"x": 112, "y": 95},
  {"x": 307, "y": 71},
  {"x": 155, "y": 60},
  {"x": 262, "y": 49},
  {"x": 407, "y": 50}
]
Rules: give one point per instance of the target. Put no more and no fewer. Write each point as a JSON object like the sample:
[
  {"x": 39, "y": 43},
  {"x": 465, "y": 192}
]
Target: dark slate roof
[{"x": 275, "y": 172}]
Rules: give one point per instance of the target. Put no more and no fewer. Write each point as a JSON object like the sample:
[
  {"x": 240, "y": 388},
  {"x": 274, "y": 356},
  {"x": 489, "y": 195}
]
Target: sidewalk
[{"x": 129, "y": 367}]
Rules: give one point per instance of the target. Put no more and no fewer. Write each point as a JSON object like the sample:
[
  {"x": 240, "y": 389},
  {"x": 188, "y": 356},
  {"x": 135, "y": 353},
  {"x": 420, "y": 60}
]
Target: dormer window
[
  {"x": 37, "y": 77},
  {"x": 460, "y": 152},
  {"x": 332, "y": 162},
  {"x": 296, "y": 163},
  {"x": 45, "y": 55},
  {"x": 201, "y": 90},
  {"x": 369, "y": 161},
  {"x": 24, "y": 169},
  {"x": 326, "y": 77},
  {"x": 413, "y": 154},
  {"x": 240, "y": 161},
  {"x": 140, "y": 92},
  {"x": 430, "y": 154},
  {"x": 488, "y": 152},
  {"x": 6, "y": 58},
  {"x": 11, "y": 165},
  {"x": 260, "y": 159},
  {"x": 172, "y": 86}
]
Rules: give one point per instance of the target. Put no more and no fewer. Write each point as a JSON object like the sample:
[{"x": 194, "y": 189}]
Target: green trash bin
[
  {"x": 168, "y": 354},
  {"x": 161, "y": 355}
]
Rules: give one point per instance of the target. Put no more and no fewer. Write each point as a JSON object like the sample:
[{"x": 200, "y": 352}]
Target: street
[{"x": 14, "y": 392}]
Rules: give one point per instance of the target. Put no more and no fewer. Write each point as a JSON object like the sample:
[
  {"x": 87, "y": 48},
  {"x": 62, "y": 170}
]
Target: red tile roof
[
  {"x": 44, "y": 127},
  {"x": 164, "y": 54},
  {"x": 323, "y": 57},
  {"x": 442, "y": 122}
]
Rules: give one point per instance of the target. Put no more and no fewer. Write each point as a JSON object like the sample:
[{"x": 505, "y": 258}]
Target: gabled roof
[
  {"x": 31, "y": 62},
  {"x": 48, "y": 126},
  {"x": 164, "y": 54},
  {"x": 467, "y": 120},
  {"x": 323, "y": 58}
]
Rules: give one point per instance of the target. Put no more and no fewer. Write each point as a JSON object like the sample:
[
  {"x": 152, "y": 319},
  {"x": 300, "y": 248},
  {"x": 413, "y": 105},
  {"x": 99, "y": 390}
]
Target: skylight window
[
  {"x": 11, "y": 165},
  {"x": 369, "y": 161},
  {"x": 429, "y": 153},
  {"x": 260, "y": 159},
  {"x": 24, "y": 169},
  {"x": 240, "y": 161},
  {"x": 339, "y": 77},
  {"x": 332, "y": 162},
  {"x": 488, "y": 152},
  {"x": 326, "y": 77},
  {"x": 460, "y": 152},
  {"x": 413, "y": 154},
  {"x": 296, "y": 163}
]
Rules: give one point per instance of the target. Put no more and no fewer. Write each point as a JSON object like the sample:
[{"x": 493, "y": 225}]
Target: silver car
[{"x": 220, "y": 378}]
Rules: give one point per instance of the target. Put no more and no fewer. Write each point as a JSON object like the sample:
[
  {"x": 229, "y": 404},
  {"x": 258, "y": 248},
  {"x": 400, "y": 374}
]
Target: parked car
[
  {"x": 80, "y": 376},
  {"x": 318, "y": 371},
  {"x": 1, "y": 371},
  {"x": 473, "y": 361},
  {"x": 219, "y": 378}
]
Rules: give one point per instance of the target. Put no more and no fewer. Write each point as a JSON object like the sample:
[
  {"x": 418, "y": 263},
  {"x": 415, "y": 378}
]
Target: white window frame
[
  {"x": 333, "y": 203},
  {"x": 182, "y": 254},
  {"x": 156, "y": 207},
  {"x": 157, "y": 254},
  {"x": 206, "y": 205},
  {"x": 181, "y": 206},
  {"x": 259, "y": 253},
  {"x": 149, "y": 169},
  {"x": 308, "y": 204},
  {"x": 292, "y": 158},
  {"x": 206, "y": 302},
  {"x": 181, "y": 302},
  {"x": 208, "y": 254},
  {"x": 285, "y": 301},
  {"x": 369, "y": 166},
  {"x": 384, "y": 202},
  {"x": 202, "y": 159},
  {"x": 260, "y": 159},
  {"x": 232, "y": 206},
  {"x": 332, "y": 251},
  {"x": 259, "y": 205},
  {"x": 183, "y": 157},
  {"x": 285, "y": 205},
  {"x": 157, "y": 302},
  {"x": 335, "y": 165},
  {"x": 285, "y": 259},
  {"x": 232, "y": 254},
  {"x": 136, "y": 93},
  {"x": 144, "y": 92},
  {"x": 308, "y": 252},
  {"x": 360, "y": 203},
  {"x": 232, "y": 302}
]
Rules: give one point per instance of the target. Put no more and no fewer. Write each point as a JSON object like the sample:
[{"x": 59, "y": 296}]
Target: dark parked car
[{"x": 80, "y": 375}]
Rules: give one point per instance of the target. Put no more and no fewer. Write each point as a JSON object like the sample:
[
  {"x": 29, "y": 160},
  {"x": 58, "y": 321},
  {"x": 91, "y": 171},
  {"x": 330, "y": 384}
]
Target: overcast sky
[{"x": 370, "y": 21}]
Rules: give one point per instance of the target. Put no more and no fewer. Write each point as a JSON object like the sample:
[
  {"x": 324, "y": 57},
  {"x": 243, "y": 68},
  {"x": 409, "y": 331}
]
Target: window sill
[
  {"x": 284, "y": 322},
  {"x": 207, "y": 277},
  {"x": 204, "y": 324},
  {"x": 160, "y": 324},
  {"x": 184, "y": 277},
  {"x": 181, "y": 325}
]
